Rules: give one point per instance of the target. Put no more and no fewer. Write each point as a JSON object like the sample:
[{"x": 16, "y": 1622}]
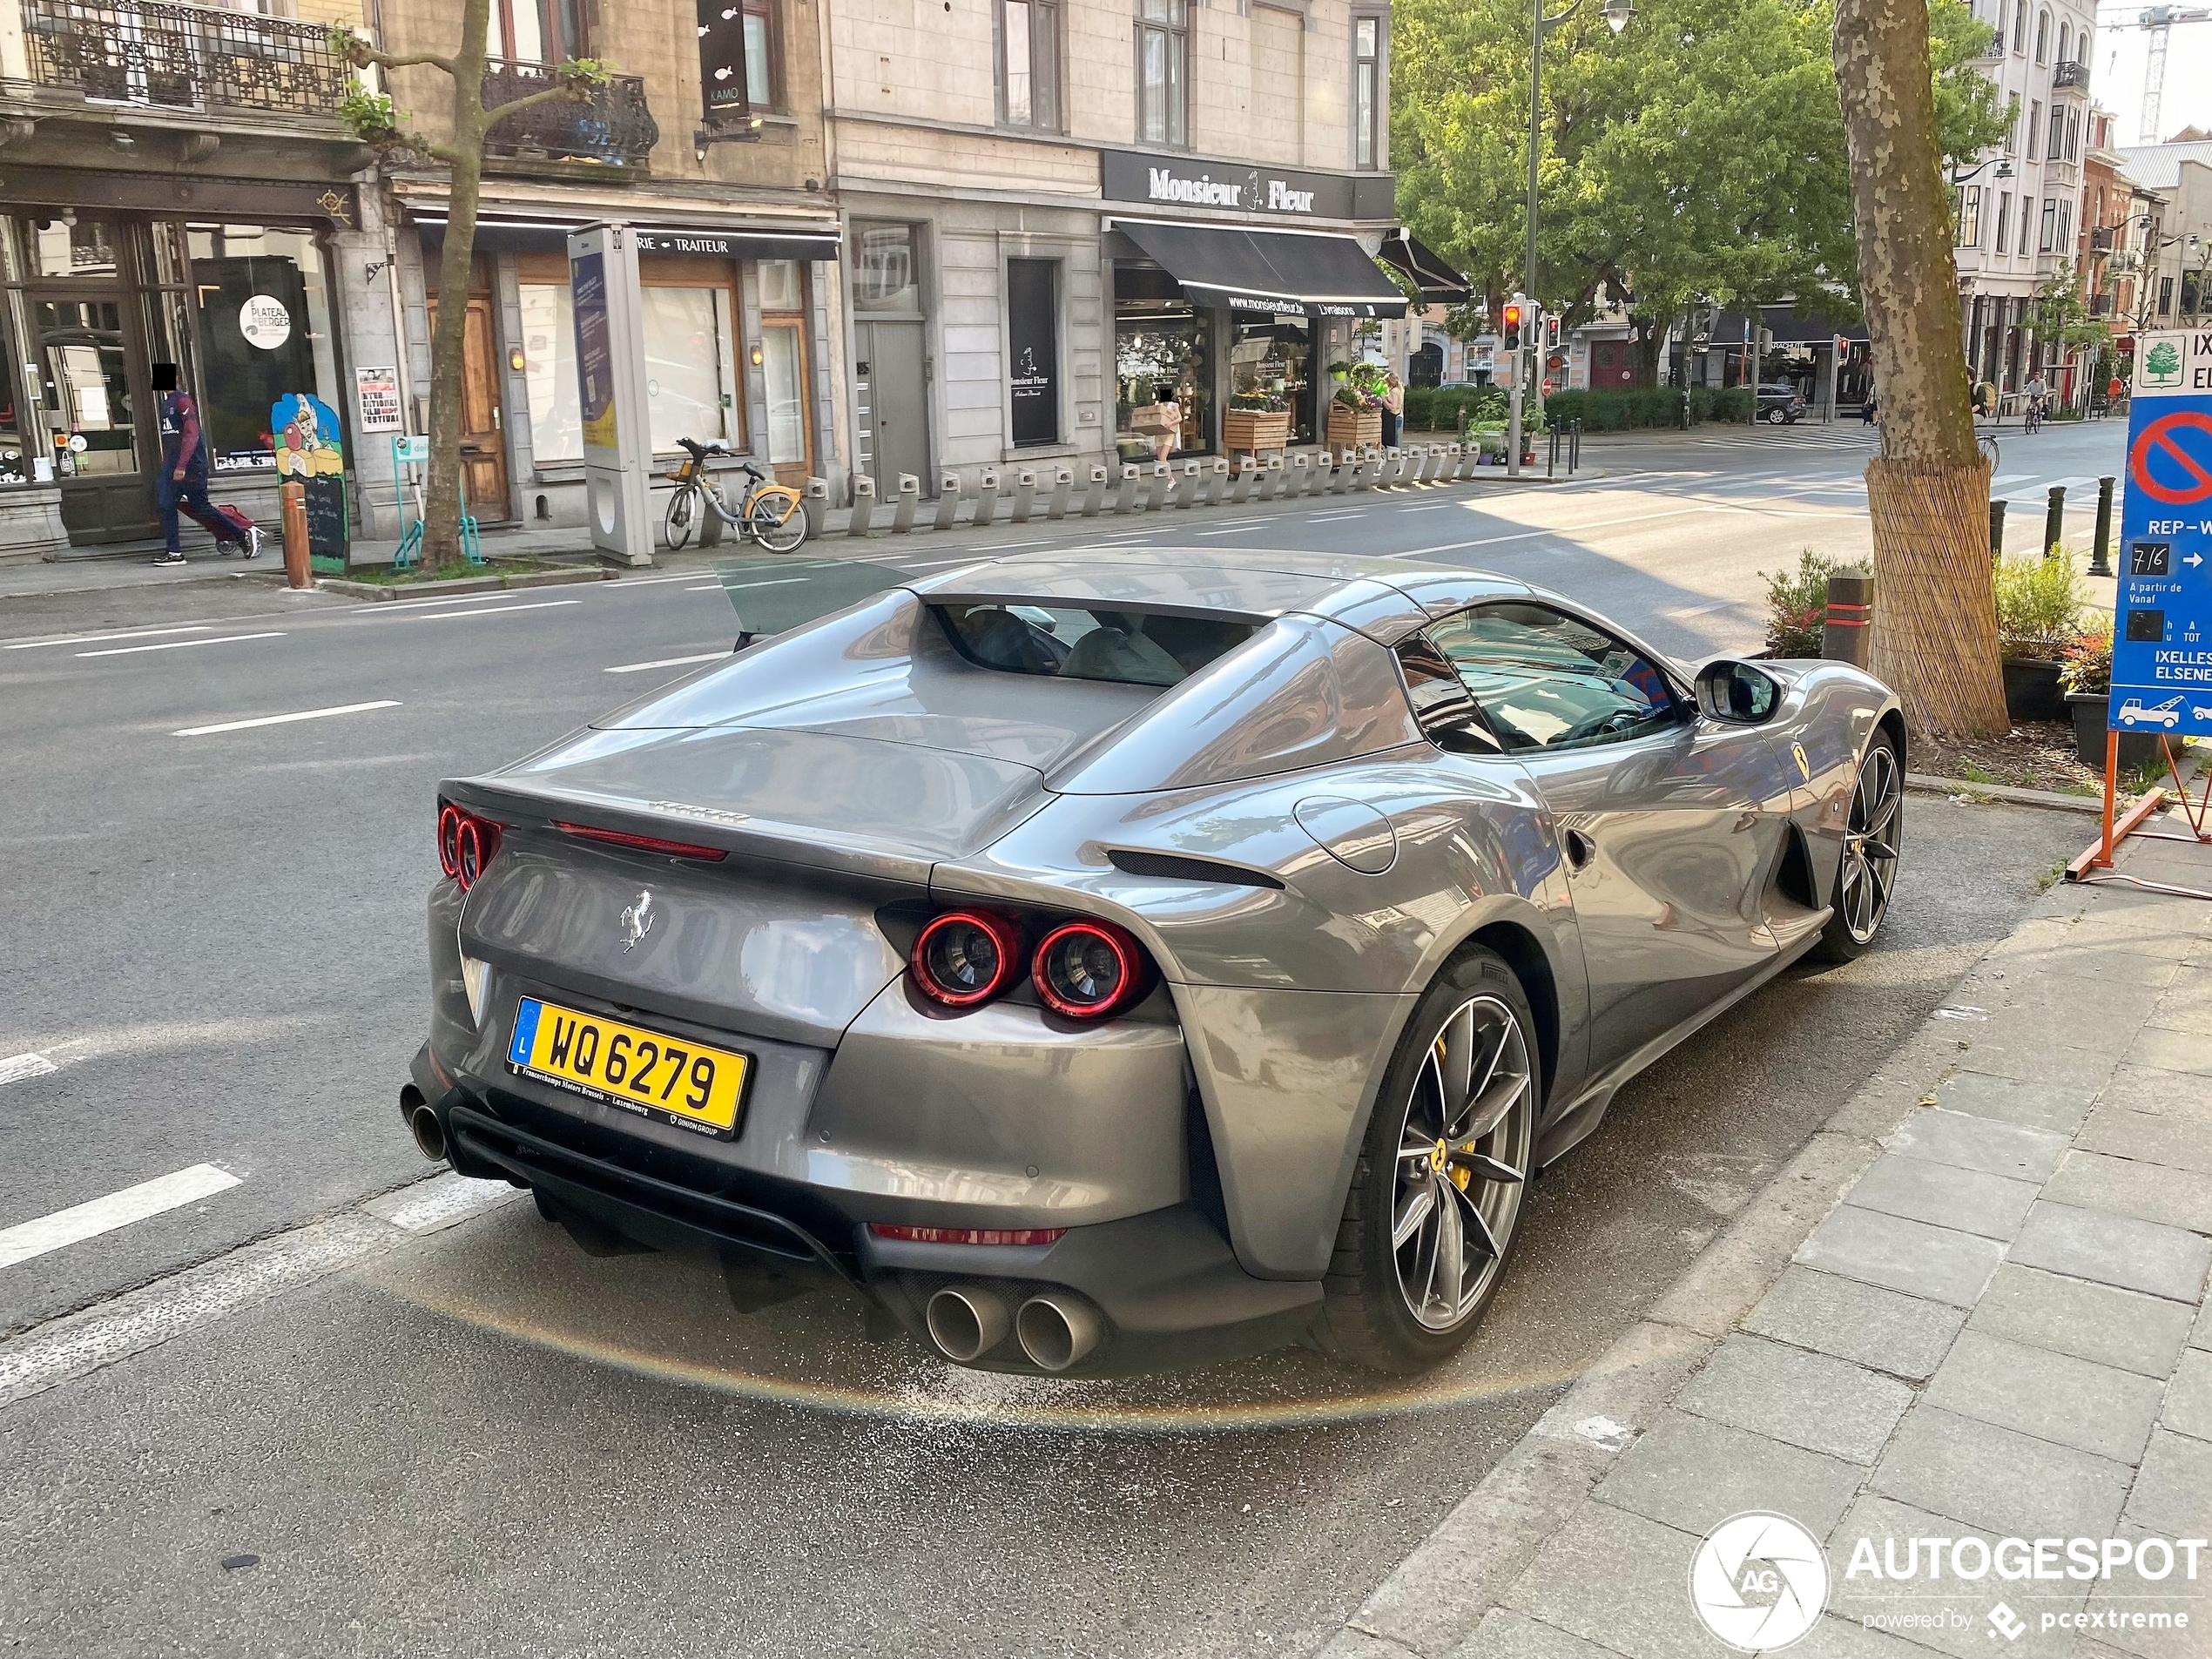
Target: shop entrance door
[
  {"x": 894, "y": 421},
  {"x": 91, "y": 364},
  {"x": 483, "y": 441}
]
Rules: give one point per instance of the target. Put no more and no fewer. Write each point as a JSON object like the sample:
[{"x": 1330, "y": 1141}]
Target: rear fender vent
[{"x": 1175, "y": 867}]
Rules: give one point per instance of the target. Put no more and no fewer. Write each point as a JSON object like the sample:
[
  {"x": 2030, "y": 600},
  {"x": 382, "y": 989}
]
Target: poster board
[{"x": 2162, "y": 634}]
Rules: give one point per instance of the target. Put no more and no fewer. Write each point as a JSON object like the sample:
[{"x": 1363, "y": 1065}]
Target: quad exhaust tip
[
  {"x": 965, "y": 1322},
  {"x": 1056, "y": 1330}
]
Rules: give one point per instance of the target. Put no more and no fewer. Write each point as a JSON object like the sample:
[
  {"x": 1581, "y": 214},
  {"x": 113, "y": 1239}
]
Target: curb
[
  {"x": 464, "y": 584},
  {"x": 2093, "y": 805}
]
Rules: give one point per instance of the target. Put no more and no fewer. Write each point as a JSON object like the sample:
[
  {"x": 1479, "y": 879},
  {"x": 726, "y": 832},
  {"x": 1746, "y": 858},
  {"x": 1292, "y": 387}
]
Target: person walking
[
  {"x": 182, "y": 483},
  {"x": 1393, "y": 410}
]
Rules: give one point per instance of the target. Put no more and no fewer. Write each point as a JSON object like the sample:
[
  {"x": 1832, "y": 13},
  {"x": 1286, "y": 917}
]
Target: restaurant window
[
  {"x": 261, "y": 306},
  {"x": 67, "y": 247},
  {"x": 690, "y": 365},
  {"x": 539, "y": 31},
  {"x": 1162, "y": 71},
  {"x": 1366, "y": 92},
  {"x": 1027, "y": 42},
  {"x": 1271, "y": 368},
  {"x": 1162, "y": 367}
]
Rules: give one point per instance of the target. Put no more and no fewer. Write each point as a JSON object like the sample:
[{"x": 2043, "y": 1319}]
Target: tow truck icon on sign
[{"x": 2167, "y": 714}]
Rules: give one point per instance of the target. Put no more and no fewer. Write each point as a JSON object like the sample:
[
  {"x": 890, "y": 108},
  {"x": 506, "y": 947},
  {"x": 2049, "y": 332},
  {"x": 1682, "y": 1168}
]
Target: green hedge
[
  {"x": 1432, "y": 409},
  {"x": 1649, "y": 406}
]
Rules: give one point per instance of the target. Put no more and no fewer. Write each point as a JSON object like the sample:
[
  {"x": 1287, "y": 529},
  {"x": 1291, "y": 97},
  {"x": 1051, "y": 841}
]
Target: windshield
[{"x": 1130, "y": 647}]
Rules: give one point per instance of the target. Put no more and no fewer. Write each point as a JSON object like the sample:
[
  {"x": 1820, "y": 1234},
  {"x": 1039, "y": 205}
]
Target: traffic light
[
  {"x": 1551, "y": 334},
  {"x": 1512, "y": 316}
]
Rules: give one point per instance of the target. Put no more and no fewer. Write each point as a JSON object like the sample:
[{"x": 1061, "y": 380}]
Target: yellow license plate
[{"x": 646, "y": 1072}]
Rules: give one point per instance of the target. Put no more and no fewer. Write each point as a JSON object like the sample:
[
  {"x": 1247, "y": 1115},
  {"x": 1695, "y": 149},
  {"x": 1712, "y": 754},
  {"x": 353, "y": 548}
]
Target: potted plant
[
  {"x": 1256, "y": 420},
  {"x": 1355, "y": 412},
  {"x": 1797, "y": 606},
  {"x": 2038, "y": 616},
  {"x": 2085, "y": 676}
]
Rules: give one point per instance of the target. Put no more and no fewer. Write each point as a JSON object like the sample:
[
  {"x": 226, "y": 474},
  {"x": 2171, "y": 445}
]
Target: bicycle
[
  {"x": 771, "y": 513},
  {"x": 1987, "y": 443},
  {"x": 2032, "y": 422}
]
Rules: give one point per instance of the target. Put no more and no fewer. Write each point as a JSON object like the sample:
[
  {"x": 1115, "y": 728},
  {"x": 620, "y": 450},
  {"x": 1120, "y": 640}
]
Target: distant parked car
[{"x": 1781, "y": 405}]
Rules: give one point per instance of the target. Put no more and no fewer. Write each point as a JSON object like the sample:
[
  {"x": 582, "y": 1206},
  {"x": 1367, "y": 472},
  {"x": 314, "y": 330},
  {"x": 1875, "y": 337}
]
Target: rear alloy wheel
[
  {"x": 1437, "y": 1190},
  {"x": 1777, "y": 416},
  {"x": 778, "y": 521},
  {"x": 1873, "y": 838}
]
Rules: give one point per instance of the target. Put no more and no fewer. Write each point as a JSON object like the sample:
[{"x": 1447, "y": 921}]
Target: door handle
[{"x": 1580, "y": 849}]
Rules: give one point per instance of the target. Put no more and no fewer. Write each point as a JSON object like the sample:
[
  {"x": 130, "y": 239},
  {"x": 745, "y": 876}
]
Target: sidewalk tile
[
  {"x": 1979, "y": 1143},
  {"x": 2130, "y": 1187},
  {"x": 1617, "y": 1579},
  {"x": 2201, "y": 1337},
  {"x": 2173, "y": 1494},
  {"x": 2052, "y": 1396},
  {"x": 2048, "y": 1063},
  {"x": 2024, "y": 1030},
  {"x": 2058, "y": 1107},
  {"x": 2129, "y": 1595},
  {"x": 1350, "y": 1643},
  {"x": 2171, "y": 1051},
  {"x": 2075, "y": 1007},
  {"x": 2186, "y": 1005},
  {"x": 2000, "y": 1479},
  {"x": 2188, "y": 1397},
  {"x": 1504, "y": 1634},
  {"x": 1943, "y": 1196},
  {"x": 1904, "y": 1335},
  {"x": 1687, "y": 1472},
  {"x": 2178, "y": 1139},
  {"x": 2123, "y": 1329},
  {"x": 1805, "y": 1400},
  {"x": 1879, "y": 1520},
  {"x": 2159, "y": 1093},
  {"x": 2114, "y": 1250},
  {"x": 1835, "y": 1638},
  {"x": 1908, "y": 1256},
  {"x": 2082, "y": 953}
]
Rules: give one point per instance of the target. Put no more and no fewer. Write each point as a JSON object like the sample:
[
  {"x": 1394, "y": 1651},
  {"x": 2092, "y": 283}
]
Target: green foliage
[
  {"x": 1796, "y": 605},
  {"x": 369, "y": 116},
  {"x": 1437, "y": 408},
  {"x": 2087, "y": 664},
  {"x": 2039, "y": 606},
  {"x": 2059, "y": 312},
  {"x": 1648, "y": 406},
  {"x": 1363, "y": 383}
]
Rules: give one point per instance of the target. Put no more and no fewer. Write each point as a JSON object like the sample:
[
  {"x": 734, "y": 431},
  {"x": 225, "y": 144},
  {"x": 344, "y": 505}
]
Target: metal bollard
[
  {"x": 815, "y": 501},
  {"x": 297, "y": 572},
  {"x": 1996, "y": 528},
  {"x": 1131, "y": 494},
  {"x": 1063, "y": 480},
  {"x": 1574, "y": 447},
  {"x": 2054, "y": 520},
  {"x": 947, "y": 499},
  {"x": 987, "y": 499},
  {"x": 1216, "y": 480},
  {"x": 1848, "y": 634},
  {"x": 1551, "y": 450},
  {"x": 2101, "y": 560},
  {"x": 902, "y": 515},
  {"x": 1025, "y": 492},
  {"x": 1186, "y": 492},
  {"x": 863, "y": 506},
  {"x": 1094, "y": 491},
  {"x": 1163, "y": 481}
]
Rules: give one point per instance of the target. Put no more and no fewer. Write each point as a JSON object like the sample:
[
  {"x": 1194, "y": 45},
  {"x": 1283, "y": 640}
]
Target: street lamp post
[{"x": 1617, "y": 13}]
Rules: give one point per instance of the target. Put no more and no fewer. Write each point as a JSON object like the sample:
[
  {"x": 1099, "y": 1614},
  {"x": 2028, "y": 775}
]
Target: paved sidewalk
[{"x": 1999, "y": 1332}]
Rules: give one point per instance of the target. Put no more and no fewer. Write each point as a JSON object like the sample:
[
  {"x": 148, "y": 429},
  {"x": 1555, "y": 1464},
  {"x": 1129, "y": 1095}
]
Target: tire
[
  {"x": 777, "y": 520},
  {"x": 1775, "y": 417},
  {"x": 1873, "y": 848},
  {"x": 682, "y": 517},
  {"x": 1387, "y": 1305}
]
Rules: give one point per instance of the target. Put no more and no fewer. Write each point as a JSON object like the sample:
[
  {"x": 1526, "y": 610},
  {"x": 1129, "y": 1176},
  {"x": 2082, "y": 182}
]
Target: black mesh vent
[{"x": 1183, "y": 869}]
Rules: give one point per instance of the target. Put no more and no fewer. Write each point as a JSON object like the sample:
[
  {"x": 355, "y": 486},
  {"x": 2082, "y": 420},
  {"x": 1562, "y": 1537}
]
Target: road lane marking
[
  {"x": 177, "y": 645},
  {"x": 17, "y": 1067},
  {"x": 1566, "y": 530},
  {"x": 285, "y": 720},
  {"x": 504, "y": 611},
  {"x": 1433, "y": 507},
  {"x": 672, "y": 662},
  {"x": 768, "y": 582},
  {"x": 93, "y": 639},
  {"x": 84, "y": 1221}
]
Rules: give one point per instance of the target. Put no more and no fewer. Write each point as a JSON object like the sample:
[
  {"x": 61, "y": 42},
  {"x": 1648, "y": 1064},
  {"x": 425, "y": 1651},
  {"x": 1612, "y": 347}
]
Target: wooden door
[{"x": 483, "y": 443}]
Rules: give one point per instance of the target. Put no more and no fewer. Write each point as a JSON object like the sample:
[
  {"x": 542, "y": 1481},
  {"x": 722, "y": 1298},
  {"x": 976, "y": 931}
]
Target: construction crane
[{"x": 2157, "y": 23}]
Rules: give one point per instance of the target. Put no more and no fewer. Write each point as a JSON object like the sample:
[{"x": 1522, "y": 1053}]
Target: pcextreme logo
[{"x": 1758, "y": 1582}]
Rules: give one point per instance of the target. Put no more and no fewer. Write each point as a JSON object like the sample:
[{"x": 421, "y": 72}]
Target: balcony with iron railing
[
  {"x": 613, "y": 128},
  {"x": 2069, "y": 75},
  {"x": 164, "y": 55}
]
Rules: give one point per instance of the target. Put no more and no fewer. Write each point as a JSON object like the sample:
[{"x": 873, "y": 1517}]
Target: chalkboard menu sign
[
  {"x": 309, "y": 447},
  {"x": 1033, "y": 335}
]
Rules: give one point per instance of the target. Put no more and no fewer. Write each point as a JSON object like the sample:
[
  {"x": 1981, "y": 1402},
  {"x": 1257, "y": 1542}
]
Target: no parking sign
[{"x": 2162, "y": 638}]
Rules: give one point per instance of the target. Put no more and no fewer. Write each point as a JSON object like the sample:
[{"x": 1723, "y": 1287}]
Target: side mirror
[{"x": 1737, "y": 693}]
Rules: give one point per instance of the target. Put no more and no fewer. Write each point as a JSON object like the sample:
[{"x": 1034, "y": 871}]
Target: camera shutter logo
[{"x": 1758, "y": 1582}]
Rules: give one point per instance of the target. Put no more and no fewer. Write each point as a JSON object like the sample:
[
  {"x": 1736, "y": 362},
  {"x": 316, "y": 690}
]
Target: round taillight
[
  {"x": 449, "y": 839},
  {"x": 965, "y": 957},
  {"x": 1089, "y": 969}
]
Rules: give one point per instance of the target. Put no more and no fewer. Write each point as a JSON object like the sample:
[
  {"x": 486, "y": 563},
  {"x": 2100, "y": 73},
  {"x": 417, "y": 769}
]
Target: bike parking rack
[{"x": 863, "y": 507}]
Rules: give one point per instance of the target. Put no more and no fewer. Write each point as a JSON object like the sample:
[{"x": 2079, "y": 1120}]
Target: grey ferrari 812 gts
[{"x": 1121, "y": 959}]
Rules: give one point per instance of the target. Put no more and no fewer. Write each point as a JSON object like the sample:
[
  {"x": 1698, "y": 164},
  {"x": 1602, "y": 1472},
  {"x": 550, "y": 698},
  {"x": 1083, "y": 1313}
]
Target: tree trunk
[
  {"x": 1927, "y": 493},
  {"x": 442, "y": 506}
]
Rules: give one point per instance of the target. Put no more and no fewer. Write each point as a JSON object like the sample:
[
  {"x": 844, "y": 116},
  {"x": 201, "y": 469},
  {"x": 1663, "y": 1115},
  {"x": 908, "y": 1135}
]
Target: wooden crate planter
[
  {"x": 1351, "y": 428},
  {"x": 1253, "y": 430}
]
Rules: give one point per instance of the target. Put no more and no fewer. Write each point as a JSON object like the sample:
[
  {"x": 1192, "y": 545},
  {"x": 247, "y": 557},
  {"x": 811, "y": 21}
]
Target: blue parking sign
[{"x": 2162, "y": 634}]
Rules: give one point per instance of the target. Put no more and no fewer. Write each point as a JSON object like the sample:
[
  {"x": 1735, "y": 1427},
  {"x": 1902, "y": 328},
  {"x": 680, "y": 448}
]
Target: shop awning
[
  {"x": 1284, "y": 272},
  {"x": 1425, "y": 267},
  {"x": 503, "y": 229}
]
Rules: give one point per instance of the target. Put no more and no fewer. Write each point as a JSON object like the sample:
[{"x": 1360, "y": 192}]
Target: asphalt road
[{"x": 488, "y": 1443}]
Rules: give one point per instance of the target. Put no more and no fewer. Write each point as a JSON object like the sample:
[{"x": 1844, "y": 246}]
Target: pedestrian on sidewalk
[
  {"x": 182, "y": 482},
  {"x": 1393, "y": 410}
]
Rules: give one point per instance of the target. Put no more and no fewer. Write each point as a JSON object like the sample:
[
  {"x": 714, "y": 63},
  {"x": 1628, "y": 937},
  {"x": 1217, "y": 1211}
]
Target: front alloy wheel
[
  {"x": 1873, "y": 838},
  {"x": 1436, "y": 1194}
]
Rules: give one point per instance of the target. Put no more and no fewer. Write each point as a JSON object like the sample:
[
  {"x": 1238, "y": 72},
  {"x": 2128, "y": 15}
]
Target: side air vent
[{"x": 1175, "y": 868}]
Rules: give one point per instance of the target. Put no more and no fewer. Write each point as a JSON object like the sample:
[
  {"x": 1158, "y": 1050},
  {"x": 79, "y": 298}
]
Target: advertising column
[
  {"x": 2161, "y": 638},
  {"x": 610, "y": 370}
]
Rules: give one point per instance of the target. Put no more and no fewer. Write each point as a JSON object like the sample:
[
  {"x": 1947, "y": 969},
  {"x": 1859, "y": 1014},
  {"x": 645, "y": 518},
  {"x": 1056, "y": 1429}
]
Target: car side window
[{"x": 1546, "y": 680}]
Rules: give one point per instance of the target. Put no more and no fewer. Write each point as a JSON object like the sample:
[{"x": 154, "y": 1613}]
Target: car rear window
[{"x": 1127, "y": 647}]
